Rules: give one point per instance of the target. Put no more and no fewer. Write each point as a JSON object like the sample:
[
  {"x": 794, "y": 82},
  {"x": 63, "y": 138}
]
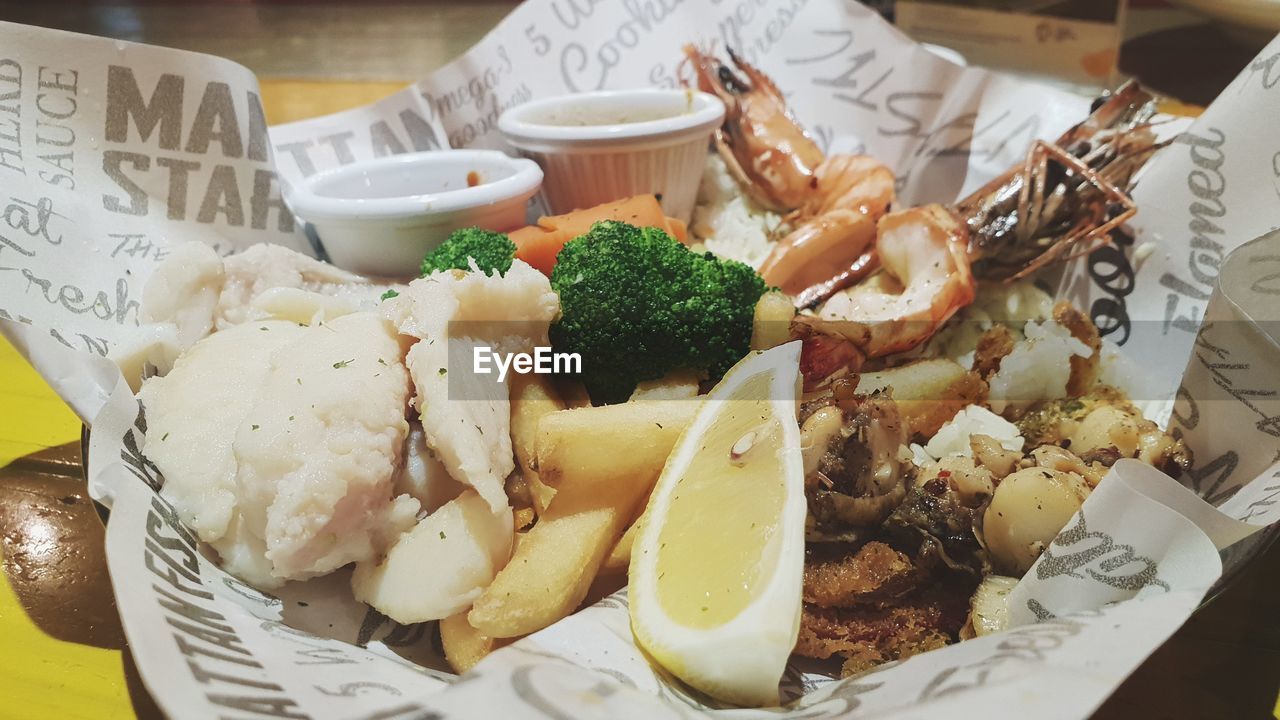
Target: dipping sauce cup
[
  {"x": 597, "y": 147},
  {"x": 380, "y": 217}
]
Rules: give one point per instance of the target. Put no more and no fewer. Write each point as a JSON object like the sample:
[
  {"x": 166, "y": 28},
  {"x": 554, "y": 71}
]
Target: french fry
[
  {"x": 619, "y": 557},
  {"x": 676, "y": 385},
  {"x": 551, "y": 570},
  {"x": 464, "y": 646},
  {"x": 605, "y": 460},
  {"x": 600, "y": 443},
  {"x": 771, "y": 325},
  {"x": 928, "y": 392},
  {"x": 532, "y": 398}
]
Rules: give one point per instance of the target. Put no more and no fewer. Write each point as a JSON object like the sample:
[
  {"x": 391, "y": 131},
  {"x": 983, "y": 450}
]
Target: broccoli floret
[
  {"x": 636, "y": 304},
  {"x": 491, "y": 251}
]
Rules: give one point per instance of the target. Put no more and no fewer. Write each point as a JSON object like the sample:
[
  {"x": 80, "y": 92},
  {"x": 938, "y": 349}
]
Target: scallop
[
  {"x": 989, "y": 607},
  {"x": 1106, "y": 426},
  {"x": 1029, "y": 509}
]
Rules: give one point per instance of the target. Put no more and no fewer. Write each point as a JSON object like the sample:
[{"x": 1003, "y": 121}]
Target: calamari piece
[
  {"x": 467, "y": 415},
  {"x": 329, "y": 290},
  {"x": 192, "y": 416},
  {"x": 318, "y": 451},
  {"x": 441, "y": 566}
]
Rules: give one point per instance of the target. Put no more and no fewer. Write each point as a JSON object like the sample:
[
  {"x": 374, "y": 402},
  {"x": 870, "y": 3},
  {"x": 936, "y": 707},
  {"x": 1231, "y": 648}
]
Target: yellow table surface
[{"x": 41, "y": 676}]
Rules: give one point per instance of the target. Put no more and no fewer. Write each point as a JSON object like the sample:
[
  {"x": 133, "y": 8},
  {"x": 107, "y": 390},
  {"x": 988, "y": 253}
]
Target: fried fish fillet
[
  {"x": 875, "y": 573},
  {"x": 869, "y": 635}
]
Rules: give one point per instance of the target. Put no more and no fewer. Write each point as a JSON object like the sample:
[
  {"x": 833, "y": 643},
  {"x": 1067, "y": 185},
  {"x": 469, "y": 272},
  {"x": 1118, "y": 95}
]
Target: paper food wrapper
[{"x": 111, "y": 153}]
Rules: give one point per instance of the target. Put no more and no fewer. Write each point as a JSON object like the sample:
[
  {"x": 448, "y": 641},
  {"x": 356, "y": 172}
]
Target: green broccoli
[
  {"x": 636, "y": 304},
  {"x": 492, "y": 251}
]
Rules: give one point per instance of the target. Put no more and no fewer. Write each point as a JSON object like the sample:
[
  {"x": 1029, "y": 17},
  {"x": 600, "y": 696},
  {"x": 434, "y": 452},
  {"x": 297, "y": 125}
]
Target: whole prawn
[
  {"x": 831, "y": 203},
  {"x": 884, "y": 283}
]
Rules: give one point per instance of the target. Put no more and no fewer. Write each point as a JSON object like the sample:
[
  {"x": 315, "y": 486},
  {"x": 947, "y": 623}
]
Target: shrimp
[
  {"x": 1063, "y": 200},
  {"x": 925, "y": 278},
  {"x": 831, "y": 203},
  {"x": 764, "y": 147},
  {"x": 886, "y": 283}
]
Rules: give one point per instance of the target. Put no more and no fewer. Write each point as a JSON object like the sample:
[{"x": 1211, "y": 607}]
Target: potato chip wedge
[
  {"x": 464, "y": 646},
  {"x": 600, "y": 443},
  {"x": 605, "y": 461},
  {"x": 928, "y": 392}
]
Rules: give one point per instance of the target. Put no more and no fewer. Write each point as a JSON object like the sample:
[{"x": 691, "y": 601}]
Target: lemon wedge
[{"x": 718, "y": 561}]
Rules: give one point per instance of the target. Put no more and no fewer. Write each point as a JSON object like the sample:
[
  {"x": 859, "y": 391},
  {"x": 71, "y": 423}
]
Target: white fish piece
[
  {"x": 466, "y": 415},
  {"x": 193, "y": 414},
  {"x": 193, "y": 292},
  {"x": 177, "y": 308},
  {"x": 149, "y": 349},
  {"x": 441, "y": 566},
  {"x": 244, "y": 554},
  {"x": 184, "y": 290},
  {"x": 265, "y": 267},
  {"x": 953, "y": 437},
  {"x": 317, "y": 452}
]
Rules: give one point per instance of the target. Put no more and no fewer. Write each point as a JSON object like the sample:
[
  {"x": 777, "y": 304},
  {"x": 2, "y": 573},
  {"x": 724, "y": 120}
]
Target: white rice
[
  {"x": 1037, "y": 369},
  {"x": 1012, "y": 304},
  {"x": 953, "y": 437},
  {"x": 727, "y": 221}
]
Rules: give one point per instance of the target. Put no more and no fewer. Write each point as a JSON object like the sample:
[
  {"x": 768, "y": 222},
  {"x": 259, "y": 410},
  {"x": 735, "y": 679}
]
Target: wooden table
[{"x": 62, "y": 650}]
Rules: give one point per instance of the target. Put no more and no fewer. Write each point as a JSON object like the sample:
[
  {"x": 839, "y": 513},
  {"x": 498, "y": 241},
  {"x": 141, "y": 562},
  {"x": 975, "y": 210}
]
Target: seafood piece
[
  {"x": 855, "y": 459},
  {"x": 924, "y": 259},
  {"x": 831, "y": 203},
  {"x": 764, "y": 147},
  {"x": 1104, "y": 426},
  {"x": 824, "y": 250},
  {"x": 869, "y": 635},
  {"x": 192, "y": 416},
  {"x": 938, "y": 516},
  {"x": 1067, "y": 196},
  {"x": 440, "y": 566},
  {"x": 1063, "y": 199},
  {"x": 467, "y": 416},
  {"x": 316, "y": 454},
  {"x": 989, "y": 607},
  {"x": 273, "y": 281},
  {"x": 1058, "y": 203},
  {"x": 875, "y": 573},
  {"x": 279, "y": 444},
  {"x": 193, "y": 292},
  {"x": 184, "y": 290},
  {"x": 1027, "y": 512}
]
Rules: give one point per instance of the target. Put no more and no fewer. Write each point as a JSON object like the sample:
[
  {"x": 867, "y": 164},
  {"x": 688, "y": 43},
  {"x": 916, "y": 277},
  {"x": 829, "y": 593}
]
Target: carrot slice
[
  {"x": 539, "y": 247},
  {"x": 539, "y": 244}
]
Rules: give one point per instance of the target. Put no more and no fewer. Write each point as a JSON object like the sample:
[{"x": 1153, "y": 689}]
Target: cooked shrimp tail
[{"x": 925, "y": 278}]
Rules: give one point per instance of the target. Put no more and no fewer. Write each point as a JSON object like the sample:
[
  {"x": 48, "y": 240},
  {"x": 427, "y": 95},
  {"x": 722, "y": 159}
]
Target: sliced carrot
[
  {"x": 676, "y": 229},
  {"x": 539, "y": 247},
  {"x": 539, "y": 244}
]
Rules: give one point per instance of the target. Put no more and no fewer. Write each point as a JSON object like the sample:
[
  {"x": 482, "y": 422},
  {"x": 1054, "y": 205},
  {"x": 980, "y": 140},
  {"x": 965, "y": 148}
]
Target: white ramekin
[
  {"x": 379, "y": 217},
  {"x": 601, "y": 146}
]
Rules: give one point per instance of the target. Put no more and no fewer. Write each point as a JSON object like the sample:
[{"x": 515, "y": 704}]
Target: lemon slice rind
[{"x": 741, "y": 660}]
